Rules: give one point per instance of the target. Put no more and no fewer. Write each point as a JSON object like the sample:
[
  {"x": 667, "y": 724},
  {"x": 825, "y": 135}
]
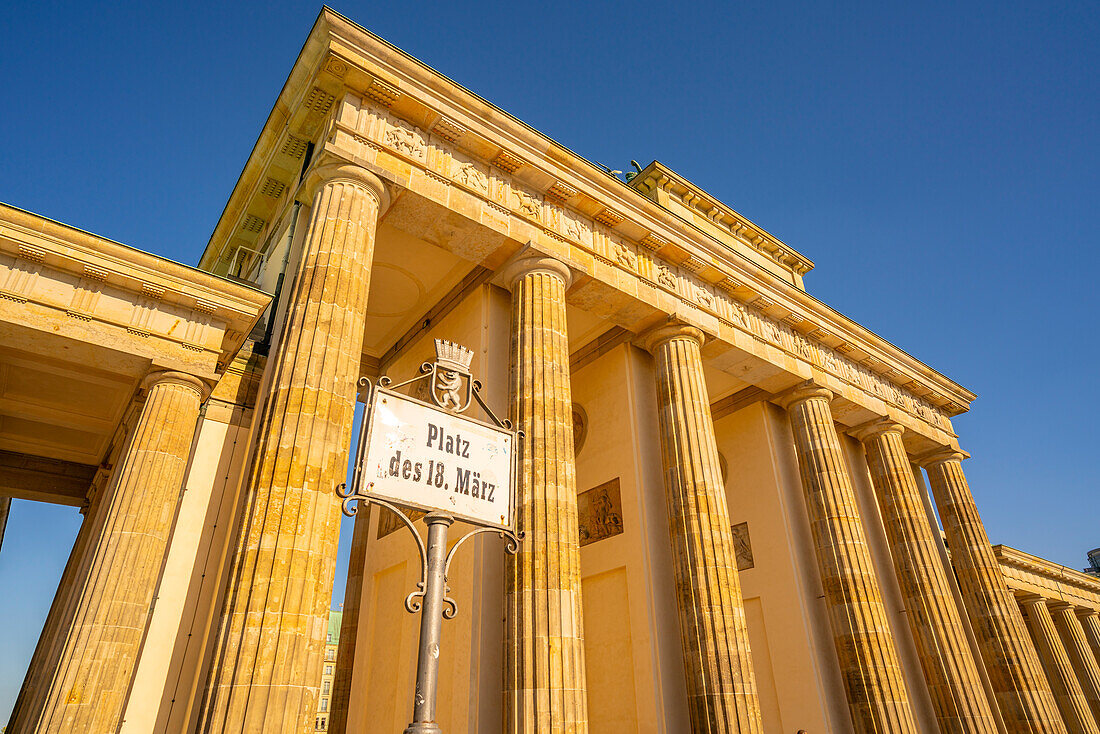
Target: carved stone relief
[
  {"x": 468, "y": 174},
  {"x": 624, "y": 256},
  {"x": 498, "y": 187},
  {"x": 527, "y": 204},
  {"x": 666, "y": 277},
  {"x": 600, "y": 512},
  {"x": 404, "y": 138},
  {"x": 742, "y": 546}
]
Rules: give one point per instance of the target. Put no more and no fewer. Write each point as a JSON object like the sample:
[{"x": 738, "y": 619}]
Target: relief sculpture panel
[{"x": 600, "y": 512}]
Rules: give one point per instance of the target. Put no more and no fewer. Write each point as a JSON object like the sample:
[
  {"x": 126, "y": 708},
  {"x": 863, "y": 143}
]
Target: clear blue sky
[{"x": 939, "y": 163}]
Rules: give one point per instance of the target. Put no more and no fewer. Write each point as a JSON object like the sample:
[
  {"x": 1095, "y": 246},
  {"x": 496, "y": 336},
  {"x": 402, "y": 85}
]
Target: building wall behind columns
[
  {"x": 893, "y": 600},
  {"x": 635, "y": 668},
  {"x": 799, "y": 686},
  {"x": 470, "y": 672}
]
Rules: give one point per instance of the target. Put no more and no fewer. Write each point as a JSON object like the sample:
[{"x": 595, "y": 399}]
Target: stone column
[
  {"x": 89, "y": 687},
  {"x": 1067, "y": 690},
  {"x": 1021, "y": 689},
  {"x": 1080, "y": 655},
  {"x": 349, "y": 624},
  {"x": 544, "y": 671},
  {"x": 266, "y": 670},
  {"x": 869, "y": 664},
  {"x": 721, "y": 686},
  {"x": 1090, "y": 623},
  {"x": 954, "y": 682},
  {"x": 43, "y": 664}
]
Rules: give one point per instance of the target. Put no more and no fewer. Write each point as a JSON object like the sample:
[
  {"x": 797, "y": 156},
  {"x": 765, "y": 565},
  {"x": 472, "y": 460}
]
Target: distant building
[
  {"x": 1094, "y": 562},
  {"x": 328, "y": 672}
]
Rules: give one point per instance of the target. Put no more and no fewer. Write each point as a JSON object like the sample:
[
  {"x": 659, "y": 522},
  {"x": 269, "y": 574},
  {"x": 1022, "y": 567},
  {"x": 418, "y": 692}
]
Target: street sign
[
  {"x": 431, "y": 459},
  {"x": 412, "y": 454}
]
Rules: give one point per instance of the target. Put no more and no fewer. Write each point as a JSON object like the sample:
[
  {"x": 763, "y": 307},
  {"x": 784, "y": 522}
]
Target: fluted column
[
  {"x": 1090, "y": 623},
  {"x": 43, "y": 664},
  {"x": 266, "y": 670},
  {"x": 88, "y": 689},
  {"x": 869, "y": 663},
  {"x": 721, "y": 686},
  {"x": 349, "y": 626},
  {"x": 544, "y": 671},
  {"x": 950, "y": 670},
  {"x": 1059, "y": 671},
  {"x": 1021, "y": 689},
  {"x": 1080, "y": 655}
]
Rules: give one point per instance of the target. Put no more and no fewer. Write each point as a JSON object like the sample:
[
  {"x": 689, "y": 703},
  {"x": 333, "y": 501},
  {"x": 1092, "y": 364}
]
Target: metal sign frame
[
  {"x": 452, "y": 389},
  {"x": 366, "y": 432}
]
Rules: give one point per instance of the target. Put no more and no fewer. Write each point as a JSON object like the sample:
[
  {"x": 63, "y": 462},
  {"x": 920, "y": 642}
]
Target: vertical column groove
[
  {"x": 349, "y": 625},
  {"x": 1067, "y": 690},
  {"x": 1077, "y": 648},
  {"x": 544, "y": 669},
  {"x": 869, "y": 663},
  {"x": 722, "y": 693},
  {"x": 266, "y": 672},
  {"x": 89, "y": 686},
  {"x": 1090, "y": 623},
  {"x": 954, "y": 682},
  {"x": 1022, "y": 692}
]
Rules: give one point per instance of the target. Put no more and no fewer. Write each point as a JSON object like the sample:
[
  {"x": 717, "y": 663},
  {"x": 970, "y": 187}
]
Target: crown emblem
[{"x": 454, "y": 356}]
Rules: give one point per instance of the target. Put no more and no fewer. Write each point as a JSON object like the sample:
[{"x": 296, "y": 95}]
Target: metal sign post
[{"x": 428, "y": 456}]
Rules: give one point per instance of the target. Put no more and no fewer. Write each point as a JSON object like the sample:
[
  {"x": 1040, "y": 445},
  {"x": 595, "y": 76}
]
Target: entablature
[
  {"x": 99, "y": 289},
  {"x": 352, "y": 95},
  {"x": 1025, "y": 573},
  {"x": 699, "y": 209}
]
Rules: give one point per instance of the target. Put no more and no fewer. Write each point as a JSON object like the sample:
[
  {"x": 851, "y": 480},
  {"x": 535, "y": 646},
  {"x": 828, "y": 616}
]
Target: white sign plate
[{"x": 422, "y": 457}]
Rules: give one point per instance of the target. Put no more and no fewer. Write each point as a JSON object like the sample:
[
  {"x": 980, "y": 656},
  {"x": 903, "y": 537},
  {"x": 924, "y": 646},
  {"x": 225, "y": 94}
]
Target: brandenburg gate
[{"x": 731, "y": 495}]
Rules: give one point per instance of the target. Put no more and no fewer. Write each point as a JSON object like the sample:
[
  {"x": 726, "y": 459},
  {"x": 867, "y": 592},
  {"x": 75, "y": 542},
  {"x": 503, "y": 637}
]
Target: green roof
[{"x": 334, "y": 619}]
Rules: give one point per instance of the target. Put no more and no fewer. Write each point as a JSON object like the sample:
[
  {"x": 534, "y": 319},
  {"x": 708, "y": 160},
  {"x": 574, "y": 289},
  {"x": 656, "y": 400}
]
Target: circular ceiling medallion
[{"x": 394, "y": 291}]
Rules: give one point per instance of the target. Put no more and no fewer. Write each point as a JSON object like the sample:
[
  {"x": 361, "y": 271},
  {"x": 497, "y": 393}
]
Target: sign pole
[
  {"x": 431, "y": 623},
  {"x": 428, "y": 456}
]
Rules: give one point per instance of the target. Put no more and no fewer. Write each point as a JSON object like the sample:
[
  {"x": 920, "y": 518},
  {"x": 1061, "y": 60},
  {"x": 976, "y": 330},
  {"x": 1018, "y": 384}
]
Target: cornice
[
  {"x": 146, "y": 278},
  {"x": 341, "y": 56},
  {"x": 1018, "y": 559},
  {"x": 659, "y": 176}
]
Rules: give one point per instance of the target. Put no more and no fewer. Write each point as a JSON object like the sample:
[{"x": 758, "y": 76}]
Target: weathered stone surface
[
  {"x": 1059, "y": 671},
  {"x": 722, "y": 695},
  {"x": 1023, "y": 694},
  {"x": 954, "y": 682},
  {"x": 544, "y": 670},
  {"x": 877, "y": 697},
  {"x": 1090, "y": 623},
  {"x": 266, "y": 672},
  {"x": 1077, "y": 648},
  {"x": 101, "y": 638}
]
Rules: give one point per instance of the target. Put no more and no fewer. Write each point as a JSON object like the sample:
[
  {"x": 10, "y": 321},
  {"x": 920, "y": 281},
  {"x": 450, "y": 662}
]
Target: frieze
[{"x": 496, "y": 186}]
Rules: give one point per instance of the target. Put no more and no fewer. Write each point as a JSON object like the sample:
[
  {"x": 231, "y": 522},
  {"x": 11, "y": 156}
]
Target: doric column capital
[
  {"x": 513, "y": 271},
  {"x": 658, "y": 335},
  {"x": 335, "y": 170},
  {"x": 1085, "y": 613},
  {"x": 1060, "y": 606},
  {"x": 1030, "y": 600},
  {"x": 872, "y": 429},
  {"x": 162, "y": 377},
  {"x": 806, "y": 391},
  {"x": 941, "y": 456}
]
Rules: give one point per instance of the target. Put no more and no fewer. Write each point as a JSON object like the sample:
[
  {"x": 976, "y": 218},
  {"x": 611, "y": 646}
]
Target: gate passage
[{"x": 428, "y": 456}]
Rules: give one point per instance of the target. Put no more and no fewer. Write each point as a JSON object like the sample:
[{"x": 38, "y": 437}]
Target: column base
[{"x": 423, "y": 728}]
